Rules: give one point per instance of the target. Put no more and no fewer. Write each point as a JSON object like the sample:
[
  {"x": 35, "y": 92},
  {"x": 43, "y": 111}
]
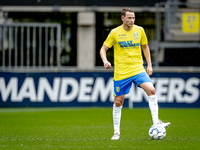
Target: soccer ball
[{"x": 157, "y": 132}]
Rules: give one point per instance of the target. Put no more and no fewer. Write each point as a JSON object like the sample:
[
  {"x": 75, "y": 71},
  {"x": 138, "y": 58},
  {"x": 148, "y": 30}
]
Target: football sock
[
  {"x": 153, "y": 105},
  {"x": 116, "y": 118}
]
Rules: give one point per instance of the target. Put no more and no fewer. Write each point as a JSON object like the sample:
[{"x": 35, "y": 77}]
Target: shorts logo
[{"x": 117, "y": 89}]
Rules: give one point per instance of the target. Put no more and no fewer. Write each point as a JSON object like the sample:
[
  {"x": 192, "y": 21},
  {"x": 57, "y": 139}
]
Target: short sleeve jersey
[{"x": 127, "y": 51}]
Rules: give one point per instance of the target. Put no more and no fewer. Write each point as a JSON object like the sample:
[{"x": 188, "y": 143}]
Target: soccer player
[{"x": 127, "y": 40}]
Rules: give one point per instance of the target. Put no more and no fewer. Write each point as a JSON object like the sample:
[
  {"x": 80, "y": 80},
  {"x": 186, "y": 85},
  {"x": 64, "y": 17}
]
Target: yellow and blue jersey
[{"x": 127, "y": 51}]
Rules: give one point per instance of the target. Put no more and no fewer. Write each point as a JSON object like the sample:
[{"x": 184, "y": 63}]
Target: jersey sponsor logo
[{"x": 128, "y": 44}]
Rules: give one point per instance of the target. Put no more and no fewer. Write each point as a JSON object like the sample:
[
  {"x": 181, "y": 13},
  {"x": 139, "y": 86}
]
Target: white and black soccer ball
[{"x": 157, "y": 132}]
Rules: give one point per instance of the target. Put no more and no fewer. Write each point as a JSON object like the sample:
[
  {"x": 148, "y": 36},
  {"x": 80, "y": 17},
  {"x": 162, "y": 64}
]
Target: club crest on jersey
[
  {"x": 117, "y": 89},
  {"x": 135, "y": 34}
]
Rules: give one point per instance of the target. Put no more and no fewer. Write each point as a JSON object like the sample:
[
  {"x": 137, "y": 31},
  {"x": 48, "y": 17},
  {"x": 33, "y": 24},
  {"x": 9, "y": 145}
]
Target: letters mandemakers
[{"x": 68, "y": 89}]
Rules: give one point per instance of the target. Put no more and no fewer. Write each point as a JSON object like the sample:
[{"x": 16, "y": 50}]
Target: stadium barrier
[
  {"x": 30, "y": 45},
  {"x": 86, "y": 89}
]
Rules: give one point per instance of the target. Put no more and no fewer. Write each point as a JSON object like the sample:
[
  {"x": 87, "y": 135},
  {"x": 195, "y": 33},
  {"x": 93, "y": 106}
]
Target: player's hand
[
  {"x": 107, "y": 65},
  {"x": 149, "y": 70}
]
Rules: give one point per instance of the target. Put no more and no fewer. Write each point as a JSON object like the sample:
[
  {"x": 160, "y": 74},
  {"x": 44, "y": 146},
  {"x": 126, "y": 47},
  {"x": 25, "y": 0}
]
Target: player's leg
[
  {"x": 153, "y": 103},
  {"x": 143, "y": 80},
  {"x": 121, "y": 88},
  {"x": 117, "y": 107}
]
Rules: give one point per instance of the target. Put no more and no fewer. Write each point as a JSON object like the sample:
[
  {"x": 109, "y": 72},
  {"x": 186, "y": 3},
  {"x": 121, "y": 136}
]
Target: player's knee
[
  {"x": 152, "y": 91},
  {"x": 118, "y": 103}
]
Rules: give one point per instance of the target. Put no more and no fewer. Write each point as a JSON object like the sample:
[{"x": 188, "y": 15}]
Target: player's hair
[{"x": 126, "y": 9}]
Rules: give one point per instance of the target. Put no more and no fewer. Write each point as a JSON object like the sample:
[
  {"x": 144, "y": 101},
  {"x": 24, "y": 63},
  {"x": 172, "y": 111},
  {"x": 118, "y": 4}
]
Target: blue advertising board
[{"x": 86, "y": 89}]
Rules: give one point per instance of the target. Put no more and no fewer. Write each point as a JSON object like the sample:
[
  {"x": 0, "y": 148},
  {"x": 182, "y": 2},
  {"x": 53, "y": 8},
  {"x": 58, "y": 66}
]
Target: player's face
[{"x": 129, "y": 19}]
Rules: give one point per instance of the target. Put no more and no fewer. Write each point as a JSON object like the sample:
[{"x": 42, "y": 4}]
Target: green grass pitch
[{"x": 92, "y": 128}]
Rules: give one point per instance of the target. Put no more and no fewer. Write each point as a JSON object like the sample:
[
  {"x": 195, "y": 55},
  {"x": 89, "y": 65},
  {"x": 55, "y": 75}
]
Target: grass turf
[{"x": 92, "y": 128}]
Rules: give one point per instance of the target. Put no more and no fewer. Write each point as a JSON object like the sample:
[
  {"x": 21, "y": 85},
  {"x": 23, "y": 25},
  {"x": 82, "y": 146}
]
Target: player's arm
[
  {"x": 103, "y": 51},
  {"x": 147, "y": 56}
]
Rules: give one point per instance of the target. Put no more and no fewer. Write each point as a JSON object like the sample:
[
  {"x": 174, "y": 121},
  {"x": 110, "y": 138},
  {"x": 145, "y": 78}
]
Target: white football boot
[
  {"x": 116, "y": 136},
  {"x": 165, "y": 125}
]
